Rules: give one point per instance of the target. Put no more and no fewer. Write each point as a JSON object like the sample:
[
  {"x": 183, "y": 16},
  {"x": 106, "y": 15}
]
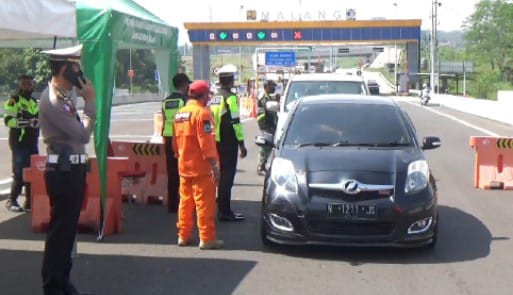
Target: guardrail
[{"x": 123, "y": 98}]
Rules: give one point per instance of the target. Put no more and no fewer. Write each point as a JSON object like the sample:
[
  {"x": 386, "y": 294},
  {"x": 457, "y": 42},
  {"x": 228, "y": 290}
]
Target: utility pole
[{"x": 434, "y": 42}]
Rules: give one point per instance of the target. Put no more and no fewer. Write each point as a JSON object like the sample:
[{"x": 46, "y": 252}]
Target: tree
[
  {"x": 489, "y": 36},
  {"x": 17, "y": 62}
]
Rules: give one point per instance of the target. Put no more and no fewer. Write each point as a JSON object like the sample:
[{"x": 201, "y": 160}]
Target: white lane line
[
  {"x": 130, "y": 120},
  {"x": 5, "y": 192},
  {"x": 5, "y": 181},
  {"x": 130, "y": 136},
  {"x": 131, "y": 113},
  {"x": 465, "y": 123}
]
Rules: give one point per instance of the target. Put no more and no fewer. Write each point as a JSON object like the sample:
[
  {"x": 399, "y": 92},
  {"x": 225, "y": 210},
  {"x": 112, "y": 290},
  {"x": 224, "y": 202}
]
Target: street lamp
[{"x": 395, "y": 56}]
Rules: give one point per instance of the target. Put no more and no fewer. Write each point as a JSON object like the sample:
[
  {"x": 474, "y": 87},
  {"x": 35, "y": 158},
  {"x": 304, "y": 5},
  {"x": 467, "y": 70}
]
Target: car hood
[{"x": 313, "y": 159}]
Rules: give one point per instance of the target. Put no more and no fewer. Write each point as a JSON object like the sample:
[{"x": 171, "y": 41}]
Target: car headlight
[
  {"x": 284, "y": 175},
  {"x": 417, "y": 178}
]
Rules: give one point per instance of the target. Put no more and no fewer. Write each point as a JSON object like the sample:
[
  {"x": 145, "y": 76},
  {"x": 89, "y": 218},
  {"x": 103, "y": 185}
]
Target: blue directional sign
[{"x": 280, "y": 58}]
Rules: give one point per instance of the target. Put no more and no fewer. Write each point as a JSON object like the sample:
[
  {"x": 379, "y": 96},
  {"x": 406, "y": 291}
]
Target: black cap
[
  {"x": 270, "y": 83},
  {"x": 180, "y": 79}
]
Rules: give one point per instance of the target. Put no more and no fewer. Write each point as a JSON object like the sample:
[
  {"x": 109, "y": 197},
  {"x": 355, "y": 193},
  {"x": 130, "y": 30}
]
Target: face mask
[{"x": 73, "y": 76}]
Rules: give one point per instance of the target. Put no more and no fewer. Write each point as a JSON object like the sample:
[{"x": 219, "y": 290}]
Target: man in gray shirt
[{"x": 65, "y": 134}]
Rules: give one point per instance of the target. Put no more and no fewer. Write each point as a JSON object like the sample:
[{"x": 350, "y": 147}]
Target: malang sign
[{"x": 319, "y": 15}]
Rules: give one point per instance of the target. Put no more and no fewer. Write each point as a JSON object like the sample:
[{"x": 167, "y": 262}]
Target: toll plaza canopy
[
  {"x": 102, "y": 27},
  {"x": 321, "y": 33}
]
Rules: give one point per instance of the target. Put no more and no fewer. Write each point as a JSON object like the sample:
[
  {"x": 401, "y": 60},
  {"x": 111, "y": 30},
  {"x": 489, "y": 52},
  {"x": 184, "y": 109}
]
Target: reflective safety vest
[
  {"x": 21, "y": 116},
  {"x": 170, "y": 107},
  {"x": 225, "y": 109}
]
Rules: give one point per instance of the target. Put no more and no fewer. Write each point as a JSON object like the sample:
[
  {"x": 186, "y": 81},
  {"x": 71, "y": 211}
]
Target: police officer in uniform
[
  {"x": 65, "y": 134},
  {"x": 230, "y": 139},
  {"x": 21, "y": 117},
  {"x": 266, "y": 122},
  {"x": 170, "y": 107}
]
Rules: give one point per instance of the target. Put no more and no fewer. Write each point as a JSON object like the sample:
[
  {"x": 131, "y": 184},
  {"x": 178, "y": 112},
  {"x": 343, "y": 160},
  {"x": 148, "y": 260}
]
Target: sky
[{"x": 451, "y": 14}]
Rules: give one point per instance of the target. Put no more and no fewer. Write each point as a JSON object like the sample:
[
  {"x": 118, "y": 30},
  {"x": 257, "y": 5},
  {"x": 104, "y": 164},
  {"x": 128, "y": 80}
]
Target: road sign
[
  {"x": 280, "y": 58},
  {"x": 156, "y": 75},
  {"x": 131, "y": 74}
]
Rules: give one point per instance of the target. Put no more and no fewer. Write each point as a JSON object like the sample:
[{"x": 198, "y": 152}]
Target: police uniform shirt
[{"x": 60, "y": 123}]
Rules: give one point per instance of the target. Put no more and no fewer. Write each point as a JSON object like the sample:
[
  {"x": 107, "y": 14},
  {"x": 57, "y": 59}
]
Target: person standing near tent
[
  {"x": 195, "y": 147},
  {"x": 65, "y": 135},
  {"x": 170, "y": 107},
  {"x": 21, "y": 118},
  {"x": 267, "y": 122},
  {"x": 230, "y": 139}
]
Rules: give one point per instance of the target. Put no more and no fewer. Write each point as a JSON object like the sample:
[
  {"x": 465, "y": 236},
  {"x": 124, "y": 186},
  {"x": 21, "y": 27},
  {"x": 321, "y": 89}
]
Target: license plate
[{"x": 352, "y": 211}]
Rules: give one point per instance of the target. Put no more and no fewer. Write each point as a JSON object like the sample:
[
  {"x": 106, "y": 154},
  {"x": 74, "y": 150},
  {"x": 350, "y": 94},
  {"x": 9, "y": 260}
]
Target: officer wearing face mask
[
  {"x": 22, "y": 120},
  {"x": 65, "y": 134}
]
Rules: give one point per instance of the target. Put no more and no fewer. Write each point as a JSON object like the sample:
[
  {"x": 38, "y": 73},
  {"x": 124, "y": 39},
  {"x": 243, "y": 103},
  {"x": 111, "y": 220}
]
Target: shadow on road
[
  {"x": 133, "y": 274},
  {"x": 462, "y": 236}
]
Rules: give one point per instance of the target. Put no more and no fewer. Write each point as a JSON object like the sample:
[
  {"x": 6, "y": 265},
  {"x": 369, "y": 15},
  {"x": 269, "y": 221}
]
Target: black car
[{"x": 349, "y": 170}]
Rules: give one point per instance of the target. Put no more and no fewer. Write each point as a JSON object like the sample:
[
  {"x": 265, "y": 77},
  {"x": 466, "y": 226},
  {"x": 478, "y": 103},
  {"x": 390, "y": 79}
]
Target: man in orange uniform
[{"x": 198, "y": 165}]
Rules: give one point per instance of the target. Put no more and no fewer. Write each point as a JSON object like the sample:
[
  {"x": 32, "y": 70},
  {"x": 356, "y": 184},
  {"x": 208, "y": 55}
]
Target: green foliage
[
  {"x": 489, "y": 43},
  {"x": 17, "y": 62},
  {"x": 143, "y": 64}
]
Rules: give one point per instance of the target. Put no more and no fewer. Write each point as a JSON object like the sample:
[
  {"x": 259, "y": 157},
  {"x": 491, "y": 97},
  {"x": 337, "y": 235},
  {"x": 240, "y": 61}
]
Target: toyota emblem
[{"x": 351, "y": 187}]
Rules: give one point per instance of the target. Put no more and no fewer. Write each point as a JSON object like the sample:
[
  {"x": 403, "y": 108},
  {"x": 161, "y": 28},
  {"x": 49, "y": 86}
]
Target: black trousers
[
  {"x": 228, "y": 155},
  {"x": 173, "y": 179},
  {"x": 20, "y": 159},
  {"x": 66, "y": 191}
]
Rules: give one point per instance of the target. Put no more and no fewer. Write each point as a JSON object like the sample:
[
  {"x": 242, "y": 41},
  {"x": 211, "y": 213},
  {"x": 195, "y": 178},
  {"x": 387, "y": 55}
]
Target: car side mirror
[
  {"x": 272, "y": 106},
  {"x": 264, "y": 140},
  {"x": 431, "y": 142}
]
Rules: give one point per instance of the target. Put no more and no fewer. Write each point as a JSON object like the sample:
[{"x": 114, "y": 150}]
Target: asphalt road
[{"x": 473, "y": 256}]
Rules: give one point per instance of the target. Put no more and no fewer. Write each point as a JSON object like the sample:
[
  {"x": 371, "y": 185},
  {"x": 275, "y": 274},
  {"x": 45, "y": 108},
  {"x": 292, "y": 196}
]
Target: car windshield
[
  {"x": 300, "y": 89},
  {"x": 347, "y": 124}
]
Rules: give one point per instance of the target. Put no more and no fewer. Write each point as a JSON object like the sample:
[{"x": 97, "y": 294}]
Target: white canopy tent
[
  {"x": 36, "y": 22},
  {"x": 103, "y": 27}
]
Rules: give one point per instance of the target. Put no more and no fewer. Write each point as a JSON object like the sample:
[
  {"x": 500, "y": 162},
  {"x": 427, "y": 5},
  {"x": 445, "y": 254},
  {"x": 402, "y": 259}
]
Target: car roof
[
  {"x": 326, "y": 77},
  {"x": 347, "y": 98}
]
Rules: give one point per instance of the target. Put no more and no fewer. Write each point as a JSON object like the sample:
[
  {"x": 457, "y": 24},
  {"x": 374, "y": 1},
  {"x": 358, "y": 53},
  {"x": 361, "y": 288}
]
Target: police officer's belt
[{"x": 74, "y": 159}]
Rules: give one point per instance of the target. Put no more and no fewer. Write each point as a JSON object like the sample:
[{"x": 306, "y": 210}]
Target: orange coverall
[{"x": 194, "y": 143}]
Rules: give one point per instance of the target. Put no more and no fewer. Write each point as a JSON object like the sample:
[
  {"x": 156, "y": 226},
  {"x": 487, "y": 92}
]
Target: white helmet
[{"x": 227, "y": 70}]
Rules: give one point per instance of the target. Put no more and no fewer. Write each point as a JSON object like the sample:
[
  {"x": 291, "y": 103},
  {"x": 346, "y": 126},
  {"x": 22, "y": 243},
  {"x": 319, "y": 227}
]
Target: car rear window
[
  {"x": 347, "y": 124},
  {"x": 298, "y": 89}
]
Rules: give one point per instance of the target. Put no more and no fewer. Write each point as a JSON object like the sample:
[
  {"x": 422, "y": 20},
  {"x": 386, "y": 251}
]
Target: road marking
[
  {"x": 127, "y": 113},
  {"x": 129, "y": 136},
  {"x": 130, "y": 120},
  {"x": 5, "y": 181},
  {"x": 5, "y": 192},
  {"x": 465, "y": 123}
]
